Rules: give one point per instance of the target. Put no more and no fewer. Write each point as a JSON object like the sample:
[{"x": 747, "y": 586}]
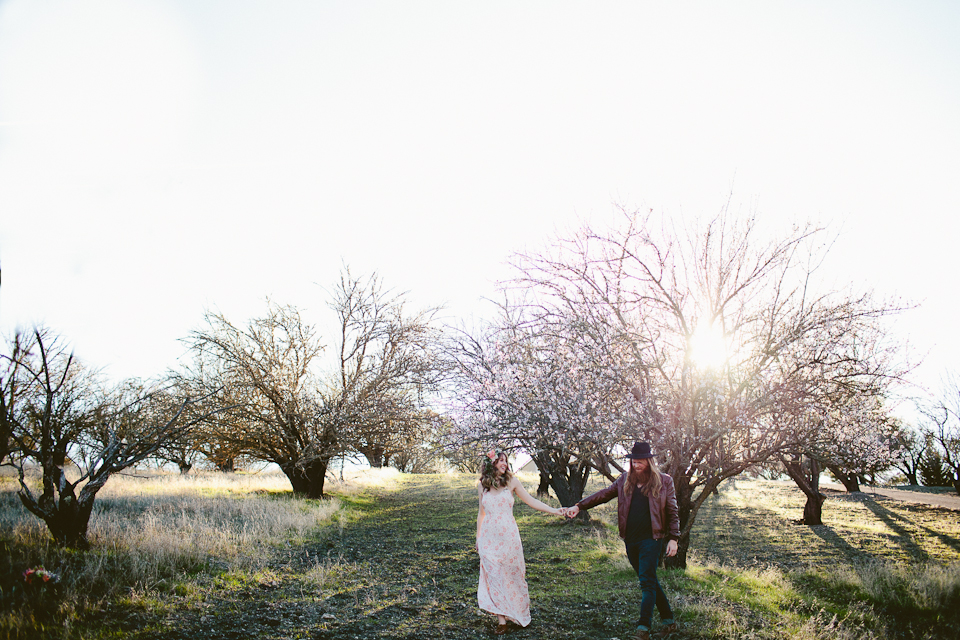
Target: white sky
[{"x": 159, "y": 158}]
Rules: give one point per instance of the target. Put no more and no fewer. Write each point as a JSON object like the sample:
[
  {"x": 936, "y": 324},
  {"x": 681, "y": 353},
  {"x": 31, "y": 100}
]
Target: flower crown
[{"x": 492, "y": 456}]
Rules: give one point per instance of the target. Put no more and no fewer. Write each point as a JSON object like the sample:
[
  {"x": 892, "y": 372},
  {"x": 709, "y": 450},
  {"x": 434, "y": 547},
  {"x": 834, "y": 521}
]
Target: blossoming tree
[
  {"x": 549, "y": 387},
  {"x": 853, "y": 439},
  {"x": 730, "y": 337}
]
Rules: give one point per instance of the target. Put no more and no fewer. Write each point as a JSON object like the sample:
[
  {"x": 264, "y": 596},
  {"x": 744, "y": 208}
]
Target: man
[{"x": 647, "y": 516}]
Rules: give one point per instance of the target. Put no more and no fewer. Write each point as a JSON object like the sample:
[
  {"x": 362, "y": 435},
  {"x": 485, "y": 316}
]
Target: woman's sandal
[{"x": 501, "y": 629}]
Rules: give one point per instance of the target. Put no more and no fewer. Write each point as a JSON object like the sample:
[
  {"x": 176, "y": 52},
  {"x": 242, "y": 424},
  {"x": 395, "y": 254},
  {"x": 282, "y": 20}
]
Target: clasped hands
[{"x": 571, "y": 512}]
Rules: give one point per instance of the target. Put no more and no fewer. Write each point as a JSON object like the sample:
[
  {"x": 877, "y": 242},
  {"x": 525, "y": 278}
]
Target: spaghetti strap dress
[{"x": 503, "y": 585}]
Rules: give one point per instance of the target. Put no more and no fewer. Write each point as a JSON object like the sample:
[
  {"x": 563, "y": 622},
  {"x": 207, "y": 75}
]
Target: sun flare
[{"x": 709, "y": 347}]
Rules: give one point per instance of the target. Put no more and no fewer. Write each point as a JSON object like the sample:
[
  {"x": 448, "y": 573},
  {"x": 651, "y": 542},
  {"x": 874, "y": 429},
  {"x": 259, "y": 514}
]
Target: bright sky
[{"x": 162, "y": 157}]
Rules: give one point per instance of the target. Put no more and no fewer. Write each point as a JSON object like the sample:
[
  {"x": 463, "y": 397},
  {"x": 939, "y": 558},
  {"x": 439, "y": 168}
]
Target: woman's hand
[
  {"x": 671, "y": 548},
  {"x": 562, "y": 512}
]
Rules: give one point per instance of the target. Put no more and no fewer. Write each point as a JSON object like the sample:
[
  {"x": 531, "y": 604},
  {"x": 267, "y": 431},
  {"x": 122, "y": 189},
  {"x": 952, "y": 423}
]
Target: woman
[
  {"x": 646, "y": 517},
  {"x": 502, "y": 590}
]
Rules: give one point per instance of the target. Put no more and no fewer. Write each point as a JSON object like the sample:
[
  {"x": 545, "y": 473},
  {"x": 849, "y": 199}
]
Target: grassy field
[{"x": 392, "y": 556}]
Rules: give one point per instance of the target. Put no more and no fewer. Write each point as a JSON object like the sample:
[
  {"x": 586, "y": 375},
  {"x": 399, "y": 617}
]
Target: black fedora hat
[{"x": 641, "y": 451}]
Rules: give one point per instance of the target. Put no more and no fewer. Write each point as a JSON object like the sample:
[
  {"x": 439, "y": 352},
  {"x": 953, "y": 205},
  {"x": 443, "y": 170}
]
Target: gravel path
[{"x": 942, "y": 500}]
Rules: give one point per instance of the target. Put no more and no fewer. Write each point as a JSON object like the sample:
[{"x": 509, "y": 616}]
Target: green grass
[{"x": 397, "y": 560}]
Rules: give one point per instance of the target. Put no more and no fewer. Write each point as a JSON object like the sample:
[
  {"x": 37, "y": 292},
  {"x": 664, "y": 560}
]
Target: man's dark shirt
[{"x": 638, "y": 522}]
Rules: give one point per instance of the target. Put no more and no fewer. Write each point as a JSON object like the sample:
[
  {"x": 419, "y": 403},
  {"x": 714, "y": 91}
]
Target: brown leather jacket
[{"x": 663, "y": 507}]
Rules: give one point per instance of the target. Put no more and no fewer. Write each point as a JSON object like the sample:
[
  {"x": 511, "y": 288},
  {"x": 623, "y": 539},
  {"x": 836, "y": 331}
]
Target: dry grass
[
  {"x": 150, "y": 533},
  {"x": 178, "y": 521},
  {"x": 368, "y": 479}
]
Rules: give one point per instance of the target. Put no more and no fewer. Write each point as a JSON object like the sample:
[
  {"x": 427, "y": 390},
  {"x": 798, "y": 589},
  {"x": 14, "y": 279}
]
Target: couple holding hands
[{"x": 647, "y": 518}]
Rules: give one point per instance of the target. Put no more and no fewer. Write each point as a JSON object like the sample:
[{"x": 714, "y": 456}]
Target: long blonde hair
[{"x": 649, "y": 486}]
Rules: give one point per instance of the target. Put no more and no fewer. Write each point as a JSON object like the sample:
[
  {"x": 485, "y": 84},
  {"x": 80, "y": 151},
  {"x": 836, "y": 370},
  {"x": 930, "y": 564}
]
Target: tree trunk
[
  {"x": 226, "y": 465},
  {"x": 567, "y": 480},
  {"x": 850, "y": 481},
  {"x": 307, "y": 479},
  {"x": 681, "y": 484},
  {"x": 813, "y": 509},
  {"x": 69, "y": 529},
  {"x": 374, "y": 455},
  {"x": 66, "y": 518},
  {"x": 808, "y": 480},
  {"x": 543, "y": 489},
  {"x": 184, "y": 467},
  {"x": 568, "y": 492},
  {"x": 678, "y": 561},
  {"x": 569, "y": 486}
]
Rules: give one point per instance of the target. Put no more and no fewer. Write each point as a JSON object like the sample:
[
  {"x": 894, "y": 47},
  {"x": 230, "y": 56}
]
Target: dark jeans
[{"x": 644, "y": 556}]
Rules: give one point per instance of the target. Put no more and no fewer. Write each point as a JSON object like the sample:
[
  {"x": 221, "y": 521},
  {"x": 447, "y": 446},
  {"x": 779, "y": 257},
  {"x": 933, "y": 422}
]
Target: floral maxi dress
[{"x": 503, "y": 585}]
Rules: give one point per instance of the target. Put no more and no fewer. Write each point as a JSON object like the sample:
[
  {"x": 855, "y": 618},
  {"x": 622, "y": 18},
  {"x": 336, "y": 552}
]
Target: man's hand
[
  {"x": 671, "y": 548},
  {"x": 573, "y": 511}
]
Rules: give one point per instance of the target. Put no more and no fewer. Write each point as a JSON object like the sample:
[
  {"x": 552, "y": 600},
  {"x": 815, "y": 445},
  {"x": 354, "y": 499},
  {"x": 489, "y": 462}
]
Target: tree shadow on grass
[
  {"x": 894, "y": 520},
  {"x": 754, "y": 535},
  {"x": 832, "y": 538}
]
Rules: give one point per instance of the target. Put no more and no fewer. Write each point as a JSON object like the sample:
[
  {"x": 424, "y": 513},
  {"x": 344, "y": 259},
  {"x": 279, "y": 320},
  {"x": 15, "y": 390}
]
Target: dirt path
[{"x": 942, "y": 500}]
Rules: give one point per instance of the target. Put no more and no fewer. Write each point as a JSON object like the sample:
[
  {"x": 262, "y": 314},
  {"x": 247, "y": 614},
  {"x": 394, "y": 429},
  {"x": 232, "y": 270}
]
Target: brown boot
[
  {"x": 641, "y": 634},
  {"x": 667, "y": 630}
]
